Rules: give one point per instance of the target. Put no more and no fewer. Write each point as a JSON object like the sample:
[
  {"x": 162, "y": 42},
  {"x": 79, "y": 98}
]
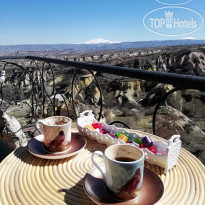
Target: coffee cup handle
[
  {"x": 38, "y": 125},
  {"x": 98, "y": 153}
]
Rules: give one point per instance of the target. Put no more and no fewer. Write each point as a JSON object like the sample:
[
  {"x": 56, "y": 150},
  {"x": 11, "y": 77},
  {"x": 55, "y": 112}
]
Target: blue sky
[{"x": 74, "y": 21}]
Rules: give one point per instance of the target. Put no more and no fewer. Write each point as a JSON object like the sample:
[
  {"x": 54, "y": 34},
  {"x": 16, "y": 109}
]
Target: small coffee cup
[
  {"x": 124, "y": 169},
  {"x": 56, "y": 131}
]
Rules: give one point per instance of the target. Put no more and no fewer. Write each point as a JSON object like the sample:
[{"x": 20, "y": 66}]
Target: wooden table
[{"x": 26, "y": 179}]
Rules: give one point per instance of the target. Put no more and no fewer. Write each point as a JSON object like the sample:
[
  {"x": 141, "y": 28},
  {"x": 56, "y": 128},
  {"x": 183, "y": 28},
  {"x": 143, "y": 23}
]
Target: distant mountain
[
  {"x": 188, "y": 38},
  {"x": 99, "y": 41},
  {"x": 98, "y": 46}
]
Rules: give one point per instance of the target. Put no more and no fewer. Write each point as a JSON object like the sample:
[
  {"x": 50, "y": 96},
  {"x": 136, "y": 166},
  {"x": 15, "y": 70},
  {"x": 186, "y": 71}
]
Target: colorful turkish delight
[{"x": 144, "y": 143}]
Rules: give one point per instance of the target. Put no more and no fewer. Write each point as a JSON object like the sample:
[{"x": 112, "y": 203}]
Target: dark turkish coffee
[
  {"x": 124, "y": 159},
  {"x": 60, "y": 123}
]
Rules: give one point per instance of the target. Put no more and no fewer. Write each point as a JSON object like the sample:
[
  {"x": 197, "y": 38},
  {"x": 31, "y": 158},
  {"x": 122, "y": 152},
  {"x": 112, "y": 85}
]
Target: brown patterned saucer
[
  {"x": 151, "y": 191},
  {"x": 36, "y": 147}
]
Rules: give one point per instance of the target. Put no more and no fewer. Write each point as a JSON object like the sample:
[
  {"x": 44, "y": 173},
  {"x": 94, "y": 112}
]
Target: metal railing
[
  {"x": 37, "y": 80},
  {"x": 177, "y": 80}
]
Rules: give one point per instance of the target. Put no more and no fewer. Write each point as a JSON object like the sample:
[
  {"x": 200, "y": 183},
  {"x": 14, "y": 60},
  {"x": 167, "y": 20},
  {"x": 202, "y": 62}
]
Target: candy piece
[
  {"x": 123, "y": 137},
  {"x": 100, "y": 131},
  {"x": 141, "y": 146},
  {"x": 136, "y": 144},
  {"x": 97, "y": 125},
  {"x": 153, "y": 149},
  {"x": 137, "y": 140},
  {"x": 147, "y": 142},
  {"x": 163, "y": 152},
  {"x": 128, "y": 137},
  {"x": 113, "y": 136},
  {"x": 104, "y": 131},
  {"x": 129, "y": 141},
  {"x": 118, "y": 134},
  {"x": 90, "y": 127}
]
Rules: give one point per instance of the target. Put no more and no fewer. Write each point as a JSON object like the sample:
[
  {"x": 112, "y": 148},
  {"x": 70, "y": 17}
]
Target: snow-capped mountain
[
  {"x": 98, "y": 45},
  {"x": 188, "y": 38},
  {"x": 99, "y": 41}
]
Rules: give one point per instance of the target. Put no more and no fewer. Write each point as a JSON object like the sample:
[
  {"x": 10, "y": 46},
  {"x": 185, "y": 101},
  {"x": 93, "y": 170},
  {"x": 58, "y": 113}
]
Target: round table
[{"x": 26, "y": 179}]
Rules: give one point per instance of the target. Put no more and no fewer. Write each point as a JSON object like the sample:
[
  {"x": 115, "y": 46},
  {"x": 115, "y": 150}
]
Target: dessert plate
[
  {"x": 36, "y": 147},
  {"x": 151, "y": 191}
]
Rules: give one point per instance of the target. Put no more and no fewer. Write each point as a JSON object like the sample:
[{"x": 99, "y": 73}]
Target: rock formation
[
  {"x": 171, "y": 121},
  {"x": 158, "y": 91},
  {"x": 10, "y": 131},
  {"x": 190, "y": 63},
  {"x": 121, "y": 96}
]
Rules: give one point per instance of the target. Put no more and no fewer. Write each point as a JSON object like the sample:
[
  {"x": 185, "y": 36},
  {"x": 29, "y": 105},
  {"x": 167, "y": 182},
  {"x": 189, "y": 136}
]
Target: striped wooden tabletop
[{"x": 26, "y": 179}]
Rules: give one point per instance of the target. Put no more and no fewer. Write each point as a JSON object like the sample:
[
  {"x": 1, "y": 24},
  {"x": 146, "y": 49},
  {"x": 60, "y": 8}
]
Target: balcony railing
[
  {"x": 36, "y": 79},
  {"x": 34, "y": 85}
]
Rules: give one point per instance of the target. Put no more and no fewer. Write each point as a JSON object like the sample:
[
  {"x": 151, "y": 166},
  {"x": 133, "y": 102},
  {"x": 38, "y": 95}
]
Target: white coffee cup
[
  {"x": 124, "y": 168},
  {"x": 55, "y": 128}
]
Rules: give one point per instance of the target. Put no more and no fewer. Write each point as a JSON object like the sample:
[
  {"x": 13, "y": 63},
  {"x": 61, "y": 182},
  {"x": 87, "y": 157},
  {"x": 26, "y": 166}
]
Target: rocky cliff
[{"x": 133, "y": 101}]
